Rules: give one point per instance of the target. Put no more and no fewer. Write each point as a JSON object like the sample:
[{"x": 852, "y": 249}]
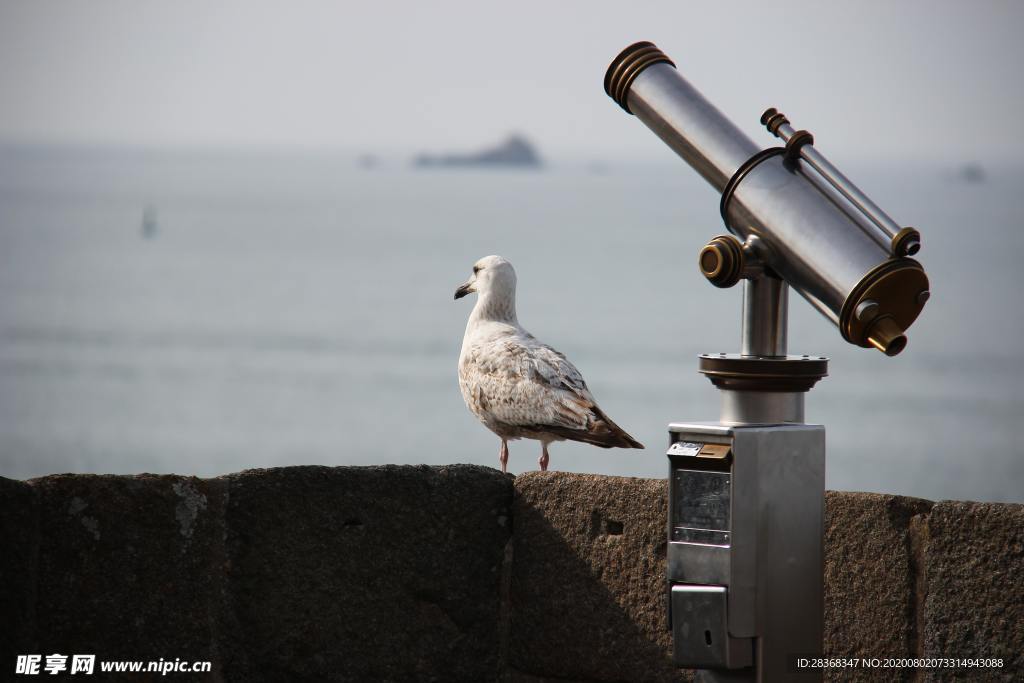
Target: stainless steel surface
[
  {"x": 765, "y": 314},
  {"x": 856, "y": 216},
  {"x": 724, "y": 675},
  {"x": 777, "y": 565},
  {"x": 694, "y": 563},
  {"x": 845, "y": 187},
  {"x": 699, "y": 498},
  {"x": 700, "y": 638},
  {"x": 762, "y": 407},
  {"x": 753, "y": 257},
  {"x": 866, "y": 310},
  {"x": 707, "y": 432},
  {"x": 699, "y": 503},
  {"x": 689, "y": 124},
  {"x": 814, "y": 247},
  {"x": 774, "y": 580}
]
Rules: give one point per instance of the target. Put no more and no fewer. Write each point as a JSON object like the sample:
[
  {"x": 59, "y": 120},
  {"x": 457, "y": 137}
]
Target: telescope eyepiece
[
  {"x": 772, "y": 118},
  {"x": 886, "y": 336}
]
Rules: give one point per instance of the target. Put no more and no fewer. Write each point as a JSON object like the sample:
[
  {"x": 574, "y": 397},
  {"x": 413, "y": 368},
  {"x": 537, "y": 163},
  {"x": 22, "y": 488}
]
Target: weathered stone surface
[
  {"x": 18, "y": 549},
  {"x": 407, "y": 573},
  {"x": 975, "y": 582},
  {"x": 870, "y": 580},
  {"x": 127, "y": 566},
  {"x": 366, "y": 573},
  {"x": 588, "y": 579},
  {"x": 513, "y": 676}
]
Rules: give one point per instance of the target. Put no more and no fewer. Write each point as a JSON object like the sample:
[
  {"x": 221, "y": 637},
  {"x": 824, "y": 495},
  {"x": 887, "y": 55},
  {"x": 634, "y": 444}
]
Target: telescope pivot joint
[{"x": 724, "y": 261}]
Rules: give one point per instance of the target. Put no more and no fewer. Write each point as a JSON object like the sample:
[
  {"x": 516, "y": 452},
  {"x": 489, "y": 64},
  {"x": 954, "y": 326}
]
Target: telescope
[{"x": 746, "y": 493}]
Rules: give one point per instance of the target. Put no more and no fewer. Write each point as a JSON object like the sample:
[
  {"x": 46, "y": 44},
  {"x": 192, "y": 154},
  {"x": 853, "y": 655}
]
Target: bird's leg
[
  {"x": 543, "y": 459},
  {"x": 503, "y": 455}
]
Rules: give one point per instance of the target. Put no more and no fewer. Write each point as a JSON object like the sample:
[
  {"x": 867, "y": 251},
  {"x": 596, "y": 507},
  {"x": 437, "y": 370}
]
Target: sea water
[{"x": 204, "y": 312}]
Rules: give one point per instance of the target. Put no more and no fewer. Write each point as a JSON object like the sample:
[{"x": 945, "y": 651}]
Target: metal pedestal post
[{"x": 747, "y": 499}]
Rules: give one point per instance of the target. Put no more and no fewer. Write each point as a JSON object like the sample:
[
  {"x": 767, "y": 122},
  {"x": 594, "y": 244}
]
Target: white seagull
[{"x": 517, "y": 386}]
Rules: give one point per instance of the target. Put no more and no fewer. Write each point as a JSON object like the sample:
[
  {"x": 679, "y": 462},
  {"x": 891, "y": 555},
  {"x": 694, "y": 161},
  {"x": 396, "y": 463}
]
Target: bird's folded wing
[{"x": 528, "y": 386}]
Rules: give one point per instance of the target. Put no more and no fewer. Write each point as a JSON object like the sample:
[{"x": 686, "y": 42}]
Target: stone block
[
  {"x": 871, "y": 591},
  {"x": 587, "y": 594},
  {"x": 366, "y": 573},
  {"x": 974, "y": 563},
  {"x": 128, "y": 566},
  {"x": 19, "y": 544}
]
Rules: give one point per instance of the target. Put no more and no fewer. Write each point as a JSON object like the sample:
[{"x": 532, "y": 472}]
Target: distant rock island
[{"x": 516, "y": 151}]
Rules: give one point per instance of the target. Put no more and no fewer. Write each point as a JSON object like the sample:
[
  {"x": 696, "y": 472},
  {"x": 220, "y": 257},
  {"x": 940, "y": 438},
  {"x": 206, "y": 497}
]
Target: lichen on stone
[
  {"x": 92, "y": 525},
  {"x": 188, "y": 509}
]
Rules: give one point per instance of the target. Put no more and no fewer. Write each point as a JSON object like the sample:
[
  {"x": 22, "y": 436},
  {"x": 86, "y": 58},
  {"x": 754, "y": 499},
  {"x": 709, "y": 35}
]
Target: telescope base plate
[{"x": 735, "y": 372}]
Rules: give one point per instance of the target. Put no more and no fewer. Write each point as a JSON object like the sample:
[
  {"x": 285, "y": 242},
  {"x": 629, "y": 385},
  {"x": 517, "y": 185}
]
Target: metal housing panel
[
  {"x": 773, "y": 581},
  {"x": 777, "y": 564},
  {"x": 700, "y": 637}
]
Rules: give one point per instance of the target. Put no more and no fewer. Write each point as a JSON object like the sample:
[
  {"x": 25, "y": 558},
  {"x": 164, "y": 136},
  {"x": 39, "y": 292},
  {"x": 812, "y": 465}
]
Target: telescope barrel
[
  {"x": 834, "y": 254},
  {"x": 645, "y": 83},
  {"x": 879, "y": 226}
]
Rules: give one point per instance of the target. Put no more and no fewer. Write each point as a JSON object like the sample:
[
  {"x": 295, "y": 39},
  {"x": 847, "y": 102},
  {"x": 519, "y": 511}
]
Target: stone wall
[{"x": 458, "y": 573}]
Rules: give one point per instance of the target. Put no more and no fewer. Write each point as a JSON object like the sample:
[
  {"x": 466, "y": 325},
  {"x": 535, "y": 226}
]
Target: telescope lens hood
[{"x": 627, "y": 66}]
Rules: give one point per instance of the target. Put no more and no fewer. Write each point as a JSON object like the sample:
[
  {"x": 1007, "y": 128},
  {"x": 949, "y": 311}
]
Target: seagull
[{"x": 517, "y": 386}]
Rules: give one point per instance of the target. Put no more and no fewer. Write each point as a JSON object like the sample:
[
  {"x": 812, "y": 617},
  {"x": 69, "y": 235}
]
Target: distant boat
[
  {"x": 972, "y": 173},
  {"x": 149, "y": 225},
  {"x": 515, "y": 152}
]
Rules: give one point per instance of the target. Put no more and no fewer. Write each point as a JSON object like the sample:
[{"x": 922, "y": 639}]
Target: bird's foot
[
  {"x": 503, "y": 456},
  {"x": 543, "y": 460}
]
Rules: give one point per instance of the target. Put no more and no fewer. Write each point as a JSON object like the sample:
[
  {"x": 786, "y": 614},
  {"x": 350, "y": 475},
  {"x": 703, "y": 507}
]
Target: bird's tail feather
[
  {"x": 600, "y": 432},
  {"x": 618, "y": 438}
]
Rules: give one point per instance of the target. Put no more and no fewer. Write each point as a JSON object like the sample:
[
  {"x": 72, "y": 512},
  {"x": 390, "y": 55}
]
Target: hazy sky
[{"x": 940, "y": 80}]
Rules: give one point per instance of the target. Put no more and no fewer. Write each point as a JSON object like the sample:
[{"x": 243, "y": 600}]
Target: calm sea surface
[{"x": 295, "y": 310}]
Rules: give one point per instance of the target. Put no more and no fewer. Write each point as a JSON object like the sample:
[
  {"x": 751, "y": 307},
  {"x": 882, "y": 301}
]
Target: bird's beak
[{"x": 464, "y": 289}]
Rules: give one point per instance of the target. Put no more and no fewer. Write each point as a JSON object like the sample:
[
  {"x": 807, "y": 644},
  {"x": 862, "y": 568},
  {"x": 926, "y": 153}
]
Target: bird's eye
[{"x": 476, "y": 269}]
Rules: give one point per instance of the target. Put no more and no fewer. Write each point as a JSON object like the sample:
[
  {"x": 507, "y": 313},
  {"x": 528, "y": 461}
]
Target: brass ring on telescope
[
  {"x": 751, "y": 373},
  {"x": 726, "y": 267},
  {"x": 796, "y": 141},
  {"x": 627, "y": 66},
  {"x": 899, "y": 287},
  {"x": 772, "y": 118},
  {"x": 906, "y": 242},
  {"x": 741, "y": 173}
]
